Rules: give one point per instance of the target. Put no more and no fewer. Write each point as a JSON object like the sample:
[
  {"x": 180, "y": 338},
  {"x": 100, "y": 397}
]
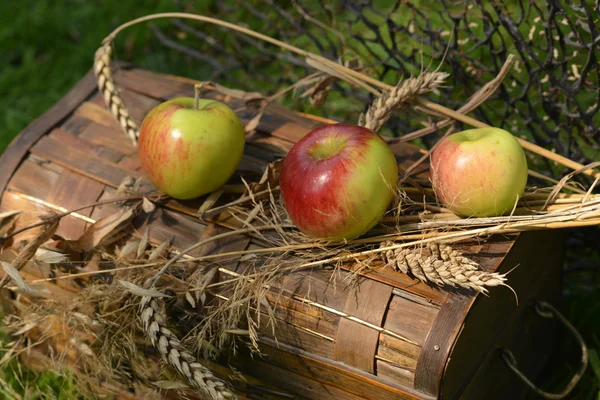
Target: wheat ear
[
  {"x": 380, "y": 111},
  {"x": 170, "y": 347},
  {"x": 110, "y": 92},
  {"x": 444, "y": 266}
]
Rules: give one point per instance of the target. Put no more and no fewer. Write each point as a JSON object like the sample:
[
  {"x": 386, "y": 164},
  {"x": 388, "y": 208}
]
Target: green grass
[{"x": 46, "y": 46}]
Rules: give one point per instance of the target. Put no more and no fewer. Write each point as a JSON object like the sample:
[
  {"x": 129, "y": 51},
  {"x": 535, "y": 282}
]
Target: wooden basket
[{"x": 387, "y": 337}]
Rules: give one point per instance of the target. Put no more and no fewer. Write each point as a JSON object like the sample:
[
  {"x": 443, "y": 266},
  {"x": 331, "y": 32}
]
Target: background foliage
[{"x": 551, "y": 97}]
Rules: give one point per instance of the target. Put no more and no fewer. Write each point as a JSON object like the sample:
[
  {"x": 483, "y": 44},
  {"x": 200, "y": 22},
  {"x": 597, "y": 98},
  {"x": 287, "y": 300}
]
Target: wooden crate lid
[{"x": 390, "y": 335}]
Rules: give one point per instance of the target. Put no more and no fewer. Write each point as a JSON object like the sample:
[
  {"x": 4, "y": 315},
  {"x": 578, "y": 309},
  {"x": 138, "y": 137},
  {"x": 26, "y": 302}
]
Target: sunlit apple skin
[
  {"x": 337, "y": 181},
  {"x": 187, "y": 152},
  {"x": 479, "y": 172}
]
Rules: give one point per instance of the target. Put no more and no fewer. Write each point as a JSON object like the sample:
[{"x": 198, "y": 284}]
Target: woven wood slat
[{"x": 356, "y": 344}]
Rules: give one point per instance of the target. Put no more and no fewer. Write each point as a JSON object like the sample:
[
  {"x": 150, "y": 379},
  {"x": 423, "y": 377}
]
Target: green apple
[
  {"x": 479, "y": 172},
  {"x": 187, "y": 149}
]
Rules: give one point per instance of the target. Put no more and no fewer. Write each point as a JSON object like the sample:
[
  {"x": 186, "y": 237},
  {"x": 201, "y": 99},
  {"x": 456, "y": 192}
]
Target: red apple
[
  {"x": 479, "y": 172},
  {"x": 337, "y": 181},
  {"x": 187, "y": 149}
]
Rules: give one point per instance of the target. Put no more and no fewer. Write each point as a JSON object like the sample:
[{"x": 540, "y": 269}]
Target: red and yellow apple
[
  {"x": 337, "y": 181},
  {"x": 187, "y": 149},
  {"x": 479, "y": 172}
]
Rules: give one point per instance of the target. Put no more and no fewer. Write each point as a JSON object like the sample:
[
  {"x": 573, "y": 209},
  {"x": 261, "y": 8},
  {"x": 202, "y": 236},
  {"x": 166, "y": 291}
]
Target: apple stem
[{"x": 197, "y": 88}]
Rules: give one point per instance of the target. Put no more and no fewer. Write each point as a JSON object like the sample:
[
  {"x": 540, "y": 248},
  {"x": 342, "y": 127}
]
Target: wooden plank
[
  {"x": 75, "y": 124},
  {"x": 62, "y": 194},
  {"x": 165, "y": 225},
  {"x": 105, "y": 210},
  {"x": 69, "y": 140},
  {"x": 131, "y": 163},
  {"x": 429, "y": 293},
  {"x": 387, "y": 372},
  {"x": 398, "y": 352},
  {"x": 108, "y": 137},
  {"x": 410, "y": 319},
  {"x": 137, "y": 104},
  {"x": 312, "y": 318},
  {"x": 86, "y": 164},
  {"x": 302, "y": 386},
  {"x": 331, "y": 372},
  {"x": 34, "y": 179},
  {"x": 299, "y": 338},
  {"x": 317, "y": 285},
  {"x": 98, "y": 114},
  {"x": 152, "y": 84},
  {"x": 224, "y": 245},
  {"x": 356, "y": 344},
  {"x": 449, "y": 321},
  {"x": 13, "y": 155},
  {"x": 291, "y": 131},
  {"x": 267, "y": 147}
]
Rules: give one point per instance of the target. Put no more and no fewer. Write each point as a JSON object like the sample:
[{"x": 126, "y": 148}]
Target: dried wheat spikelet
[
  {"x": 110, "y": 92},
  {"x": 172, "y": 350},
  {"x": 381, "y": 109},
  {"x": 445, "y": 266}
]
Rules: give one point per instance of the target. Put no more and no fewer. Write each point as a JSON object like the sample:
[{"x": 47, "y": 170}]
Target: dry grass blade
[
  {"x": 158, "y": 251},
  {"x": 566, "y": 178},
  {"x": 8, "y": 214},
  {"x": 170, "y": 385},
  {"x": 269, "y": 180},
  {"x": 170, "y": 347},
  {"x": 147, "y": 205},
  {"x": 103, "y": 228},
  {"x": 13, "y": 273},
  {"x": 382, "y": 108},
  {"x": 29, "y": 251},
  {"x": 129, "y": 248},
  {"x": 138, "y": 291},
  {"x": 143, "y": 243},
  {"x": 210, "y": 201},
  {"x": 50, "y": 257}
]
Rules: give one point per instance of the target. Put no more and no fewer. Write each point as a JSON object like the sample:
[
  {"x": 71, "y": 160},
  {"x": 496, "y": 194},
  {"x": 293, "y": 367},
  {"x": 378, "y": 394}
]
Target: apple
[
  {"x": 337, "y": 181},
  {"x": 190, "y": 146},
  {"x": 479, "y": 172}
]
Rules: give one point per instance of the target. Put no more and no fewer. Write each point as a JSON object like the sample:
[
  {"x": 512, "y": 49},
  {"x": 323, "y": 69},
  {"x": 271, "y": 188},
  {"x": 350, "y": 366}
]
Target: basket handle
[{"x": 545, "y": 310}]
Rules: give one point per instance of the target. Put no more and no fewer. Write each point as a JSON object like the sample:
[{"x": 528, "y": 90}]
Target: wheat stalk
[
  {"x": 110, "y": 92},
  {"x": 170, "y": 347},
  {"x": 444, "y": 266},
  {"x": 381, "y": 109}
]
